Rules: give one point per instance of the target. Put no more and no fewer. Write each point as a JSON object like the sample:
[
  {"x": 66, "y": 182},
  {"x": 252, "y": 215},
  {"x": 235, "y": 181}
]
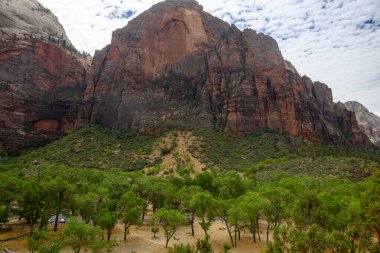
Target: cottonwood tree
[
  {"x": 205, "y": 204},
  {"x": 59, "y": 192},
  {"x": 129, "y": 210},
  {"x": 189, "y": 207},
  {"x": 79, "y": 235},
  {"x": 170, "y": 220}
]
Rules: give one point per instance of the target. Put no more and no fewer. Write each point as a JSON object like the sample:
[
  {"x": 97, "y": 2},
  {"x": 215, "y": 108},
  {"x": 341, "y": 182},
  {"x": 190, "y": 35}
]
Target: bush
[
  {"x": 204, "y": 246},
  {"x": 182, "y": 249},
  {"x": 165, "y": 151}
]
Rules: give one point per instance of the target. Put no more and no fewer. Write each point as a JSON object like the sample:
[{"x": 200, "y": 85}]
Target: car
[{"x": 61, "y": 219}]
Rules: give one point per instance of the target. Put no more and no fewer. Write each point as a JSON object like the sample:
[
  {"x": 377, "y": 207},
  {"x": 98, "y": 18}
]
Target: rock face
[
  {"x": 176, "y": 64},
  {"x": 368, "y": 122},
  {"x": 41, "y": 81}
]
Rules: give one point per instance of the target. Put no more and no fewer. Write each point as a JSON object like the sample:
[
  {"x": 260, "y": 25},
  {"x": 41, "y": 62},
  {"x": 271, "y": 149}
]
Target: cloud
[{"x": 336, "y": 42}]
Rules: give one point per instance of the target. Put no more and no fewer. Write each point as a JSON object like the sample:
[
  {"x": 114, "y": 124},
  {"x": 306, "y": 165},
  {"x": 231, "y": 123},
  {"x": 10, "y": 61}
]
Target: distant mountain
[
  {"x": 172, "y": 67},
  {"x": 176, "y": 65},
  {"x": 25, "y": 19},
  {"x": 42, "y": 77},
  {"x": 368, "y": 122}
]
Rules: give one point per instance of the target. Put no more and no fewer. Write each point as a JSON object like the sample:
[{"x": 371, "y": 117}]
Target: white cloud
[{"x": 336, "y": 42}]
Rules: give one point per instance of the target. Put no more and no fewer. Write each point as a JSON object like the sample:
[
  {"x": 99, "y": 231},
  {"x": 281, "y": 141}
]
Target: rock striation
[
  {"x": 41, "y": 80},
  {"x": 175, "y": 64},
  {"x": 368, "y": 122}
]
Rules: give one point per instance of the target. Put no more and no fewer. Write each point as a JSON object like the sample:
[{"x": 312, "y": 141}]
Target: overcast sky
[{"x": 333, "y": 41}]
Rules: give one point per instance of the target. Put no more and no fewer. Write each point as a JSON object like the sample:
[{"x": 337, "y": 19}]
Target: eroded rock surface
[
  {"x": 175, "y": 64},
  {"x": 41, "y": 80},
  {"x": 368, "y": 122}
]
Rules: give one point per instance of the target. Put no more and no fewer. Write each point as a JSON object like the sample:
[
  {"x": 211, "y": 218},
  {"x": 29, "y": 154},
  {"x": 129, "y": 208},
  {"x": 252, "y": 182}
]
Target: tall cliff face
[
  {"x": 368, "y": 122},
  {"x": 176, "y": 64},
  {"x": 41, "y": 80}
]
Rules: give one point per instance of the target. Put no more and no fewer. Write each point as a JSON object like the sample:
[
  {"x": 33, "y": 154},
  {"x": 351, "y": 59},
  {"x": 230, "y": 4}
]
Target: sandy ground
[{"x": 141, "y": 239}]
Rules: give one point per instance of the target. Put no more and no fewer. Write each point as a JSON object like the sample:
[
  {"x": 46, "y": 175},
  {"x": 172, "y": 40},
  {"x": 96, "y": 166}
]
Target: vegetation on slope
[{"x": 95, "y": 147}]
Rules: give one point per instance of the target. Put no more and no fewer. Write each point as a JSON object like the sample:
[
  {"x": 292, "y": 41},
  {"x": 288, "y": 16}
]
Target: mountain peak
[
  {"x": 368, "y": 122},
  {"x": 175, "y": 65},
  {"x": 24, "y": 19}
]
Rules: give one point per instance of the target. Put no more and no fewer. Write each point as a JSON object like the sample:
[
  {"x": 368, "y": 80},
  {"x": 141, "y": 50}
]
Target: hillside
[{"x": 202, "y": 149}]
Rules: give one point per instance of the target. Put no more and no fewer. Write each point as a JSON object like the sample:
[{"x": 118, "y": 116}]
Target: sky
[{"x": 336, "y": 42}]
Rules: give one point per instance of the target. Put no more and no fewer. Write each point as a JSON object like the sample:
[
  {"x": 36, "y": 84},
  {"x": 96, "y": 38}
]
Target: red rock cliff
[
  {"x": 41, "y": 82},
  {"x": 176, "y": 64}
]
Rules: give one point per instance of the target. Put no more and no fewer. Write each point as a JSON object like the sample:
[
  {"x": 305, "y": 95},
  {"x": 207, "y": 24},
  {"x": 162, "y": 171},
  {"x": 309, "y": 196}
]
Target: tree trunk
[
  {"x": 258, "y": 229},
  {"x": 253, "y": 232},
  {"x": 56, "y": 220},
  {"x": 109, "y": 231},
  {"x": 204, "y": 228},
  {"x": 229, "y": 232},
  {"x": 125, "y": 232},
  {"x": 143, "y": 216},
  {"x": 235, "y": 233},
  {"x": 43, "y": 219},
  {"x": 268, "y": 231},
  {"x": 31, "y": 227},
  {"x": 167, "y": 242},
  {"x": 192, "y": 224}
]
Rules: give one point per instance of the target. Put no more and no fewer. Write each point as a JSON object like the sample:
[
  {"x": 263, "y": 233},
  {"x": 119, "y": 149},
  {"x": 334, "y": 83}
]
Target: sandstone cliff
[
  {"x": 41, "y": 80},
  {"x": 368, "y": 122},
  {"x": 176, "y": 64}
]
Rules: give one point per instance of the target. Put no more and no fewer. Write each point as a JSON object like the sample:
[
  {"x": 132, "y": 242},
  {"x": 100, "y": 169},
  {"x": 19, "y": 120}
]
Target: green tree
[
  {"x": 30, "y": 202},
  {"x": 205, "y": 181},
  {"x": 107, "y": 221},
  {"x": 33, "y": 240},
  {"x": 222, "y": 208},
  {"x": 129, "y": 208},
  {"x": 205, "y": 204},
  {"x": 155, "y": 230},
  {"x": 170, "y": 220},
  {"x": 277, "y": 207},
  {"x": 79, "y": 235},
  {"x": 186, "y": 194},
  {"x": 59, "y": 191},
  {"x": 231, "y": 185},
  {"x": 253, "y": 205}
]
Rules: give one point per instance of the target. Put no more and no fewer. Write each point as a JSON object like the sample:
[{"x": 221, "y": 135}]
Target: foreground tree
[
  {"x": 79, "y": 235},
  {"x": 130, "y": 208},
  {"x": 58, "y": 193},
  {"x": 107, "y": 221},
  {"x": 205, "y": 204},
  {"x": 170, "y": 220}
]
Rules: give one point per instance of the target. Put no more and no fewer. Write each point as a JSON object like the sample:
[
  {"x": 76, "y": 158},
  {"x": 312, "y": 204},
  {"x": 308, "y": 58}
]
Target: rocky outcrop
[
  {"x": 176, "y": 65},
  {"x": 41, "y": 80},
  {"x": 368, "y": 122}
]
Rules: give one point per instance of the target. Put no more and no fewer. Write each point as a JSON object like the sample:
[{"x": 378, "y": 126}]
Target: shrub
[{"x": 181, "y": 248}]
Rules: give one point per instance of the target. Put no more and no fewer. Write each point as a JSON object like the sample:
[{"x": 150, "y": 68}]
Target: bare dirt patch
[{"x": 141, "y": 240}]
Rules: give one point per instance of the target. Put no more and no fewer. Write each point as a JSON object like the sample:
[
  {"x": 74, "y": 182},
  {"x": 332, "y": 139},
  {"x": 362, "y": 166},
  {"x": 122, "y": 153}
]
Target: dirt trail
[
  {"x": 185, "y": 140},
  {"x": 179, "y": 144}
]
